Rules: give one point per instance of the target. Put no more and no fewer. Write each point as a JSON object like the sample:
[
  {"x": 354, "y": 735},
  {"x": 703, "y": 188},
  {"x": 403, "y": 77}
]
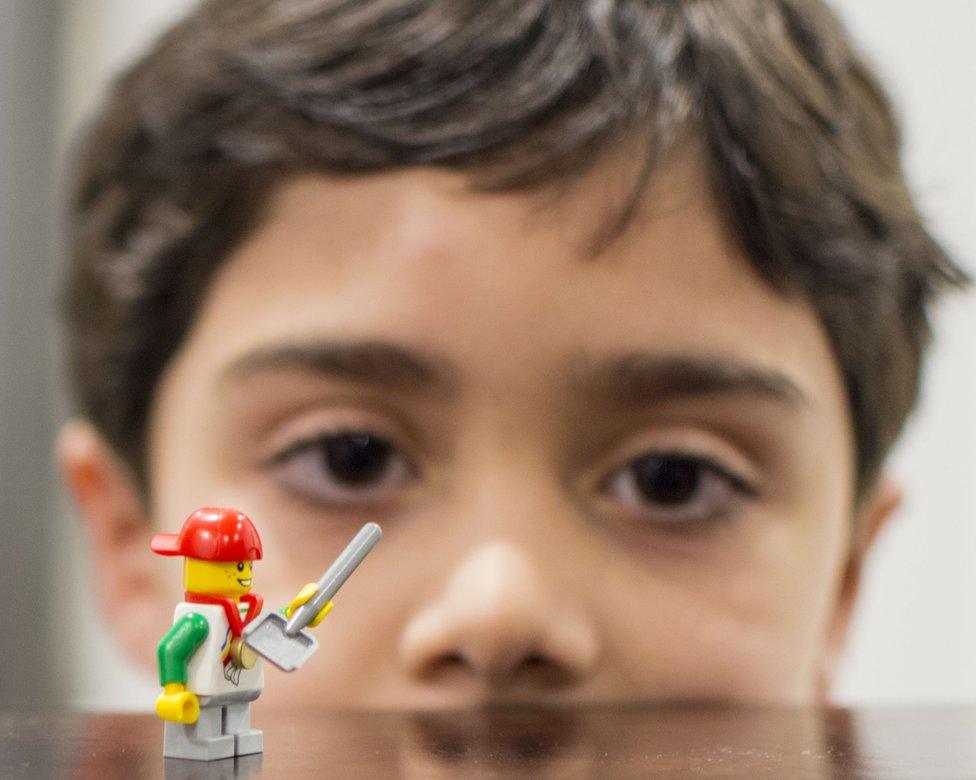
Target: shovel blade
[{"x": 267, "y": 637}]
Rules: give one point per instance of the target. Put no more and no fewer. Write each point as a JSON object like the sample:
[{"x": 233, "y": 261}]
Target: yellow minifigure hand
[
  {"x": 177, "y": 704},
  {"x": 322, "y": 613},
  {"x": 308, "y": 590}
]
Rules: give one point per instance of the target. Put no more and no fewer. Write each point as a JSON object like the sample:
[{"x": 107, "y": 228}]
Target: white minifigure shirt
[{"x": 206, "y": 672}]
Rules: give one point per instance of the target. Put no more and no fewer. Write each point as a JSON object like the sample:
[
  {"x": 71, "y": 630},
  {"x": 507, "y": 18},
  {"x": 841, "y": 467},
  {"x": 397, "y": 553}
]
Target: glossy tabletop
[{"x": 686, "y": 741}]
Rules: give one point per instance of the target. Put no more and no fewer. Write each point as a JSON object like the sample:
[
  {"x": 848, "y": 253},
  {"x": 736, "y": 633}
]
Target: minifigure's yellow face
[{"x": 224, "y": 578}]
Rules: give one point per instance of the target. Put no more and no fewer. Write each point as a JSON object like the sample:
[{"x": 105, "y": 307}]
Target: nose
[{"x": 497, "y": 623}]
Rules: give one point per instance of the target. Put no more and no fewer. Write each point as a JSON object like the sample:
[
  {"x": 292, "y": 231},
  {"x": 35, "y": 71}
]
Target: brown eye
[
  {"x": 344, "y": 467},
  {"x": 240, "y": 566},
  {"x": 667, "y": 480},
  {"x": 355, "y": 459},
  {"x": 677, "y": 490}
]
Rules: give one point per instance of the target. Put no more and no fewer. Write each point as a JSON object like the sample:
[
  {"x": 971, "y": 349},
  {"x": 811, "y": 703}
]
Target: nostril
[
  {"x": 533, "y": 667},
  {"x": 536, "y": 661},
  {"x": 451, "y": 659},
  {"x": 445, "y": 663},
  {"x": 543, "y": 670}
]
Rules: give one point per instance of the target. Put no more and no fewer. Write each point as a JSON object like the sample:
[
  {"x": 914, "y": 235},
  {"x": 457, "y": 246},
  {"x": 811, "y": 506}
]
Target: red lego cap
[{"x": 212, "y": 534}]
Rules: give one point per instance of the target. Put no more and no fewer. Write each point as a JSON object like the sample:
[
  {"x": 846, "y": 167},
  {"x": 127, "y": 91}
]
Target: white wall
[{"x": 915, "y": 632}]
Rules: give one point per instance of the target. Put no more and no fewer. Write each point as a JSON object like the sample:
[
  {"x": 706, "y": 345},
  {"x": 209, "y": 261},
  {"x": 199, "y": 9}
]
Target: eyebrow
[
  {"x": 642, "y": 378},
  {"x": 630, "y": 380},
  {"x": 380, "y": 363}
]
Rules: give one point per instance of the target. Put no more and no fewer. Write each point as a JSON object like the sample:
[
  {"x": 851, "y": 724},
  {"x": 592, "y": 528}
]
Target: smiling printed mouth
[{"x": 245, "y": 583}]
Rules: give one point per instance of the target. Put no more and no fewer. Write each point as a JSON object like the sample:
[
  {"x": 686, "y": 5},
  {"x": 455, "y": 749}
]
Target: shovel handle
[{"x": 335, "y": 576}]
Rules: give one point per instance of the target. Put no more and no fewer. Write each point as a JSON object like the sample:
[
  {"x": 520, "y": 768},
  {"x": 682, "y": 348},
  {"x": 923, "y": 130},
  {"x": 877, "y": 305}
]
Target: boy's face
[{"x": 600, "y": 478}]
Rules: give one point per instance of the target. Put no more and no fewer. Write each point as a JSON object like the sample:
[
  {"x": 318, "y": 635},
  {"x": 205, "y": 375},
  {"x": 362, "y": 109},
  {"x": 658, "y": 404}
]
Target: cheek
[
  {"x": 752, "y": 632},
  {"x": 743, "y": 659},
  {"x": 696, "y": 649}
]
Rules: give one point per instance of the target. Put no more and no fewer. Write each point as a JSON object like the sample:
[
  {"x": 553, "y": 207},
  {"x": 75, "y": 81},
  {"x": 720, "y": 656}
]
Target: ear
[
  {"x": 875, "y": 510},
  {"x": 106, "y": 496}
]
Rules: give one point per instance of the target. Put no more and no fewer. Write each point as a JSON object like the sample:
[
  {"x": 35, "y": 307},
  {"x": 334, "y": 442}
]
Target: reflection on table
[{"x": 674, "y": 741}]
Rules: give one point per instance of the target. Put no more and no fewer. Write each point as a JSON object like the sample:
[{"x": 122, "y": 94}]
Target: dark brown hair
[{"x": 802, "y": 146}]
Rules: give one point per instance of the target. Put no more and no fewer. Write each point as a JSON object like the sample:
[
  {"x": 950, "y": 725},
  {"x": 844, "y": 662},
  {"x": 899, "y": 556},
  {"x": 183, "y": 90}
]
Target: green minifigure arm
[
  {"x": 176, "y": 703},
  {"x": 178, "y": 645}
]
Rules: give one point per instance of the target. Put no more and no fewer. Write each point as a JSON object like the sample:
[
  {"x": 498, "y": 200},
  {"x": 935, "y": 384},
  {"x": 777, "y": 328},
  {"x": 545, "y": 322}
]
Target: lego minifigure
[{"x": 208, "y": 672}]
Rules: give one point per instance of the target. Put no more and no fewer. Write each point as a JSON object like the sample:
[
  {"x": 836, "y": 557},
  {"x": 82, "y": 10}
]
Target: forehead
[{"x": 418, "y": 256}]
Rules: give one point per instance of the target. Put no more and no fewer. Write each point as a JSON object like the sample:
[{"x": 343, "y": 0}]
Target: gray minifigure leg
[
  {"x": 237, "y": 721},
  {"x": 202, "y": 741}
]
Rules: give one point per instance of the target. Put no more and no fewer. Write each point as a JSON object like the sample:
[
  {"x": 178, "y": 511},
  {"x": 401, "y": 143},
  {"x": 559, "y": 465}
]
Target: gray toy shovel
[{"x": 282, "y": 641}]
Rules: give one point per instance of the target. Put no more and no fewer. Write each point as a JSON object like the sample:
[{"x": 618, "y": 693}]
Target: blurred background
[{"x": 914, "y": 637}]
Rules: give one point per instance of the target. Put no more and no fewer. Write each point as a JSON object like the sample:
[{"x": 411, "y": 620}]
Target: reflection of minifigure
[{"x": 209, "y": 676}]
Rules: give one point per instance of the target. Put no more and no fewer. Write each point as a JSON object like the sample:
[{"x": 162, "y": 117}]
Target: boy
[{"x": 608, "y": 312}]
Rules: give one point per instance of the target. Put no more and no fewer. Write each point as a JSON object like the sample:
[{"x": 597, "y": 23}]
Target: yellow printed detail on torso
[{"x": 225, "y": 647}]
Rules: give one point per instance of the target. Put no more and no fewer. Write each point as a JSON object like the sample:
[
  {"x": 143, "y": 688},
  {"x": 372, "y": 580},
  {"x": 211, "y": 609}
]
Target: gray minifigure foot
[
  {"x": 237, "y": 721},
  {"x": 248, "y": 742},
  {"x": 200, "y": 741}
]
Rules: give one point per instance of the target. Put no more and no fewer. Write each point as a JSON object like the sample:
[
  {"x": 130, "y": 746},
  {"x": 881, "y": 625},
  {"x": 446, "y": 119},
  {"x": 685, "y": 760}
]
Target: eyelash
[
  {"x": 311, "y": 454},
  {"x": 724, "y": 492}
]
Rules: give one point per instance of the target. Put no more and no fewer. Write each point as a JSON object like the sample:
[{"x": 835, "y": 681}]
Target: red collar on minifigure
[{"x": 253, "y": 600}]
